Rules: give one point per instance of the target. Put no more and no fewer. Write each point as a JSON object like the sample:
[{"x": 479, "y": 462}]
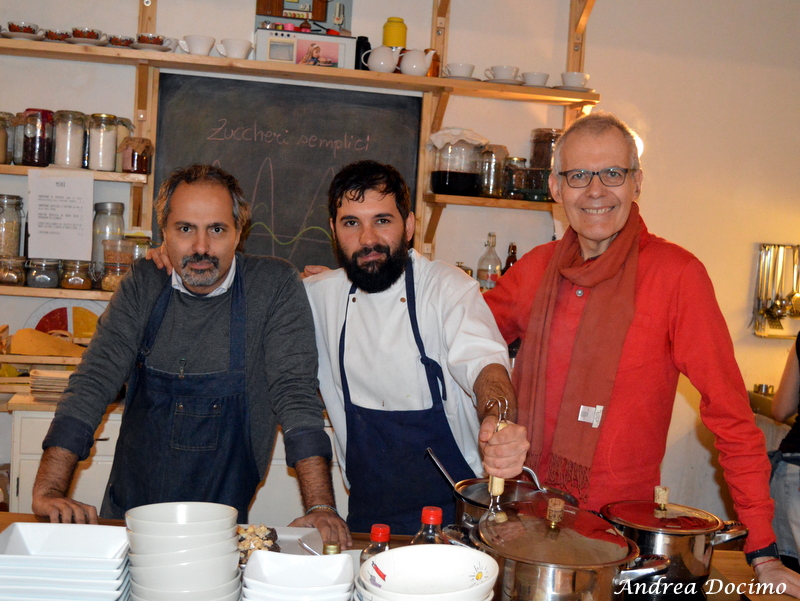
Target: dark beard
[
  {"x": 378, "y": 275},
  {"x": 200, "y": 277}
]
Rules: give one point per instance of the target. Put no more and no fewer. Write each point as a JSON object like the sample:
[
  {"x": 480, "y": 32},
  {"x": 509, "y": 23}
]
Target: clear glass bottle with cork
[{"x": 489, "y": 265}]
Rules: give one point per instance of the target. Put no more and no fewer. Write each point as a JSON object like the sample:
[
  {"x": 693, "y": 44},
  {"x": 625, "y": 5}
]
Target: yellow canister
[{"x": 394, "y": 32}]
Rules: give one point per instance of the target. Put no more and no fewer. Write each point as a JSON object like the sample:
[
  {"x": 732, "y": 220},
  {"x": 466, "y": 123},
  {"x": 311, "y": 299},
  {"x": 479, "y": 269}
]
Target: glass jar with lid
[
  {"x": 6, "y": 138},
  {"x": 492, "y": 161},
  {"x": 124, "y": 129},
  {"x": 457, "y": 170},
  {"x": 18, "y": 125},
  {"x": 102, "y": 142},
  {"x": 43, "y": 273},
  {"x": 37, "y": 142},
  {"x": 70, "y": 130},
  {"x": 513, "y": 176},
  {"x": 112, "y": 275},
  {"x": 12, "y": 271},
  {"x": 142, "y": 245},
  {"x": 543, "y": 140},
  {"x": 10, "y": 224},
  {"x": 75, "y": 275},
  {"x": 108, "y": 224},
  {"x": 135, "y": 155}
]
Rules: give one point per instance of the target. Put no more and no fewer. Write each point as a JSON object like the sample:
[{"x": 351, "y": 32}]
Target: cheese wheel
[{"x": 33, "y": 342}]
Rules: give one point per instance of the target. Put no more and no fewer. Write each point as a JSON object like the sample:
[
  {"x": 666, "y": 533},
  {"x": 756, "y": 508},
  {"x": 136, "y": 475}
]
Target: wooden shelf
[
  {"x": 39, "y": 360},
  {"x": 299, "y": 73},
  {"x": 99, "y": 295},
  {"x": 105, "y": 176},
  {"x": 438, "y": 202}
]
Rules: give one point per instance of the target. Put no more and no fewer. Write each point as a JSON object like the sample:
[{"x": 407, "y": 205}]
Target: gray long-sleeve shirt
[{"x": 281, "y": 356}]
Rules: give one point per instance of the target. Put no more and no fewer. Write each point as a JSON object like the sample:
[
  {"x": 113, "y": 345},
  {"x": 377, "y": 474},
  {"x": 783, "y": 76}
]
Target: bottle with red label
[{"x": 489, "y": 265}]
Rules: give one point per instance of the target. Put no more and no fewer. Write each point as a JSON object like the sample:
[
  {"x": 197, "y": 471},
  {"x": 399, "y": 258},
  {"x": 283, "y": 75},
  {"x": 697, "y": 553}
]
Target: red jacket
[{"x": 677, "y": 328}]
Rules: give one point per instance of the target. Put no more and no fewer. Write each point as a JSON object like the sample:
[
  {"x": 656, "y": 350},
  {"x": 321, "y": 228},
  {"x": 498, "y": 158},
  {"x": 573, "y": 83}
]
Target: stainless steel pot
[
  {"x": 472, "y": 496},
  {"x": 547, "y": 556},
  {"x": 683, "y": 534}
]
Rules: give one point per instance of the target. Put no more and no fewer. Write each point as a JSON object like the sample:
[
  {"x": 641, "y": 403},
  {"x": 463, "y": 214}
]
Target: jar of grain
[
  {"x": 12, "y": 271},
  {"x": 118, "y": 251},
  {"x": 10, "y": 224},
  {"x": 109, "y": 224},
  {"x": 113, "y": 274},
  {"x": 103, "y": 142},
  {"x": 75, "y": 275},
  {"x": 43, "y": 273}
]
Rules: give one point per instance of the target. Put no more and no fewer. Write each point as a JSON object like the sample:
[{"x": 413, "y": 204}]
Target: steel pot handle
[
  {"x": 645, "y": 565},
  {"x": 732, "y": 531}
]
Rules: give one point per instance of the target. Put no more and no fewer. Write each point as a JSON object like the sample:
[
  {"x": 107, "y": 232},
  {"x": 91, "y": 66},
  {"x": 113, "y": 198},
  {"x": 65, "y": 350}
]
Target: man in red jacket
[{"x": 609, "y": 317}]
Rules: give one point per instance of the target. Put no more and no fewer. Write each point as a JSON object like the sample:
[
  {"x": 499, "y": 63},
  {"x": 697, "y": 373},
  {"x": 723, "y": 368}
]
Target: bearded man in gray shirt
[{"x": 215, "y": 356}]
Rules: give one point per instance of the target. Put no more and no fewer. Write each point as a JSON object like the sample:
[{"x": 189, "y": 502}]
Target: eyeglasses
[{"x": 581, "y": 178}]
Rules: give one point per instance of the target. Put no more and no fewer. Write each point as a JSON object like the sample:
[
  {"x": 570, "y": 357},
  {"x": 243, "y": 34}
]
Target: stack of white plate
[
  {"x": 427, "y": 573},
  {"x": 272, "y": 576},
  {"x": 63, "y": 561},
  {"x": 183, "y": 551}
]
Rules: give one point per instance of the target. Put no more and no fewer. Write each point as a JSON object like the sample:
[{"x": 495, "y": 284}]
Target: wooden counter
[{"x": 731, "y": 564}]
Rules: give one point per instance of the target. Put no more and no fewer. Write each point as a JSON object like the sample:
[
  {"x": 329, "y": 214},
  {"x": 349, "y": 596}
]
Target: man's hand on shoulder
[
  {"x": 313, "y": 270},
  {"x": 774, "y": 572},
  {"x": 160, "y": 258},
  {"x": 330, "y": 526}
]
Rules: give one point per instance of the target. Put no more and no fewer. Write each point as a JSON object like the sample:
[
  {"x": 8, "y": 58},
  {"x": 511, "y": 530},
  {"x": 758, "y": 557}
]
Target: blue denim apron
[
  {"x": 185, "y": 437},
  {"x": 391, "y": 477}
]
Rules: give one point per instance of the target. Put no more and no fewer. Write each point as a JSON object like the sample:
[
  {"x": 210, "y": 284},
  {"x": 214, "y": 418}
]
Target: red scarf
[{"x": 595, "y": 356}]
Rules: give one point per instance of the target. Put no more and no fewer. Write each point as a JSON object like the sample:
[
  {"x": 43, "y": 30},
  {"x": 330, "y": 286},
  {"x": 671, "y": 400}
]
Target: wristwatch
[{"x": 770, "y": 551}]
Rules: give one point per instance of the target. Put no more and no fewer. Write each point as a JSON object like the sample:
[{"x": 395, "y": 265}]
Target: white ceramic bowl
[
  {"x": 208, "y": 594},
  {"x": 333, "y": 573},
  {"x": 230, "y": 545},
  {"x": 153, "y": 543},
  {"x": 362, "y": 594},
  {"x": 196, "y": 575},
  {"x": 430, "y": 573},
  {"x": 253, "y": 595},
  {"x": 182, "y": 519}
]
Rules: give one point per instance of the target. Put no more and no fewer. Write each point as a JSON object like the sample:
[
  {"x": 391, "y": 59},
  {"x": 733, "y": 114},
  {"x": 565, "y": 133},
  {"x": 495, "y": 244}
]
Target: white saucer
[
  {"x": 531, "y": 85},
  {"x": 461, "y": 78},
  {"x": 36, "y": 37},
  {"x": 87, "y": 41},
  {"x": 508, "y": 82},
  {"x": 573, "y": 89},
  {"x": 156, "y": 47}
]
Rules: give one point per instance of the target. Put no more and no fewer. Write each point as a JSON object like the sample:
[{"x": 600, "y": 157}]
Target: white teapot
[
  {"x": 382, "y": 58},
  {"x": 416, "y": 62}
]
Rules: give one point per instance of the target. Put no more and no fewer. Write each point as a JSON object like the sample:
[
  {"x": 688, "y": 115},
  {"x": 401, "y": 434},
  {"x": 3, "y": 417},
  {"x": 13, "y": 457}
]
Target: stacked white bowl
[
  {"x": 271, "y": 576},
  {"x": 427, "y": 573},
  {"x": 63, "y": 561},
  {"x": 183, "y": 551}
]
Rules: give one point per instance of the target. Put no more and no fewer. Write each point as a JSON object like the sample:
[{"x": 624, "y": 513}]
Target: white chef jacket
[{"x": 382, "y": 361}]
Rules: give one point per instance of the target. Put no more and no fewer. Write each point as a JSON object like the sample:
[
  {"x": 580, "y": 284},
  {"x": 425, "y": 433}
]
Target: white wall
[{"x": 710, "y": 86}]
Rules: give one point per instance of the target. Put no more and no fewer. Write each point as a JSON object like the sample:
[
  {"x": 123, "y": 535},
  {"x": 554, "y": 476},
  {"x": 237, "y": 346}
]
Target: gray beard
[{"x": 199, "y": 277}]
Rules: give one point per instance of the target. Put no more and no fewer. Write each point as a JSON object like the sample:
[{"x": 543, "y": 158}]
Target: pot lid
[
  {"x": 527, "y": 532},
  {"x": 666, "y": 518}
]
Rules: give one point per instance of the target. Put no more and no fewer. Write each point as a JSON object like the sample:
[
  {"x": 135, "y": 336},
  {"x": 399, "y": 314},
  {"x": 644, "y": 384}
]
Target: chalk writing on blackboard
[{"x": 284, "y": 143}]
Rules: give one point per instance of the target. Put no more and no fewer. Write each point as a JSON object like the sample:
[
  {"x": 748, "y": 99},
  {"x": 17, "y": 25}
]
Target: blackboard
[{"x": 283, "y": 143}]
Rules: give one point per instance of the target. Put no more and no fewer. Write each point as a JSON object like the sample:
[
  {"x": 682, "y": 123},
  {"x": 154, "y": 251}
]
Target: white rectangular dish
[
  {"x": 289, "y": 540},
  {"x": 81, "y": 546}
]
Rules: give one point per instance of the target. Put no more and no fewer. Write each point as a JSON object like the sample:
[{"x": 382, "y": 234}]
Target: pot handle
[
  {"x": 732, "y": 531},
  {"x": 645, "y": 565}
]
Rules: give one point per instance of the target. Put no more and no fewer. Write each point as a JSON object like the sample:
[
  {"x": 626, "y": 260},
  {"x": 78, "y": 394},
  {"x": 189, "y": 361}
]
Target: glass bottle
[
  {"x": 124, "y": 129},
  {"x": 70, "y": 129},
  {"x": 430, "y": 532},
  {"x": 379, "y": 541},
  {"x": 489, "y": 265},
  {"x": 492, "y": 160},
  {"x": 108, "y": 225},
  {"x": 6, "y": 138},
  {"x": 12, "y": 271},
  {"x": 331, "y": 548},
  {"x": 103, "y": 142},
  {"x": 75, "y": 275},
  {"x": 10, "y": 224},
  {"x": 511, "y": 258},
  {"x": 37, "y": 139},
  {"x": 43, "y": 273}
]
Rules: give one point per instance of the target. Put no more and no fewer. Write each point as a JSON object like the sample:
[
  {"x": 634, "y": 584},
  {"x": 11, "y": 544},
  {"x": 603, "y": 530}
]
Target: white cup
[
  {"x": 197, "y": 44},
  {"x": 535, "y": 79},
  {"x": 458, "y": 70},
  {"x": 501, "y": 72},
  {"x": 231, "y": 48},
  {"x": 572, "y": 79}
]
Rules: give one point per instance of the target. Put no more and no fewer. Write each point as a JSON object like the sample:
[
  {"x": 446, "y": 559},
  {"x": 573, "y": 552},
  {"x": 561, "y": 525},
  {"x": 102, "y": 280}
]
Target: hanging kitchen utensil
[
  {"x": 782, "y": 300},
  {"x": 760, "y": 302},
  {"x": 795, "y": 281},
  {"x": 773, "y": 318}
]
